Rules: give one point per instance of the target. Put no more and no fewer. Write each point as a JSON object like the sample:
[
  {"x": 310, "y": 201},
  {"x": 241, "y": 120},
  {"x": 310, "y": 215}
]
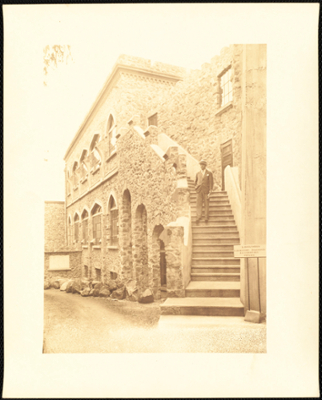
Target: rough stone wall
[
  {"x": 54, "y": 225},
  {"x": 190, "y": 117},
  {"x": 99, "y": 256},
  {"x": 75, "y": 265},
  {"x": 132, "y": 94},
  {"x": 151, "y": 182}
]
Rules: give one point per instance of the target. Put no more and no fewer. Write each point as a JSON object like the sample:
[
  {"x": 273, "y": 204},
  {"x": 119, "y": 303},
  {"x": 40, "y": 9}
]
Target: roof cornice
[{"x": 109, "y": 84}]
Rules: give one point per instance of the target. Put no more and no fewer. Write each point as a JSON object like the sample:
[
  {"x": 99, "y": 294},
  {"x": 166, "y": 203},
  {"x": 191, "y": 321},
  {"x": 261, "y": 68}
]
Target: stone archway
[
  {"x": 126, "y": 236},
  {"x": 158, "y": 261},
  {"x": 140, "y": 253}
]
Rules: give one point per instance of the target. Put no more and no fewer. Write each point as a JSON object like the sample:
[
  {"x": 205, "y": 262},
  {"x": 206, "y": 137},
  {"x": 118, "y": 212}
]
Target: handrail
[{"x": 234, "y": 193}]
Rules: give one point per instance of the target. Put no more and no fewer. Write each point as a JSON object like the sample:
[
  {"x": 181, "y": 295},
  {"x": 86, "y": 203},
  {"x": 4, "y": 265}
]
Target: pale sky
[{"x": 158, "y": 32}]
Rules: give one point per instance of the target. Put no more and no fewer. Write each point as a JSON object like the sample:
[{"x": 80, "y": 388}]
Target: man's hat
[{"x": 203, "y": 162}]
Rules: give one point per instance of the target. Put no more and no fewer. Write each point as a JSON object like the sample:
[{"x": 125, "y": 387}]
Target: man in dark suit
[{"x": 203, "y": 184}]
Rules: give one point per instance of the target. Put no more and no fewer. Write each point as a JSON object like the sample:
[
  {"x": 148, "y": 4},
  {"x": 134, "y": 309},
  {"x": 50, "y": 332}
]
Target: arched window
[
  {"x": 75, "y": 174},
  {"x": 114, "y": 216},
  {"x": 69, "y": 231},
  {"x": 95, "y": 156},
  {"x": 76, "y": 228},
  {"x": 111, "y": 132},
  {"x": 96, "y": 221},
  {"x": 85, "y": 226},
  {"x": 83, "y": 167}
]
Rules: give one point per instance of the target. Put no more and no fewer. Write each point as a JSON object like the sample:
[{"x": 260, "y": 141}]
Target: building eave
[{"x": 110, "y": 82}]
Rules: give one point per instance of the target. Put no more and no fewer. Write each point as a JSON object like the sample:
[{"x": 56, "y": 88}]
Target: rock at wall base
[
  {"x": 64, "y": 285},
  {"x": 133, "y": 297},
  {"x": 85, "y": 292},
  {"x": 104, "y": 292},
  {"x": 69, "y": 286},
  {"x": 96, "y": 292},
  {"x": 118, "y": 294},
  {"x": 111, "y": 285},
  {"x": 130, "y": 288},
  {"x": 47, "y": 285},
  {"x": 56, "y": 285},
  {"x": 147, "y": 297},
  {"x": 76, "y": 287},
  {"x": 98, "y": 285}
]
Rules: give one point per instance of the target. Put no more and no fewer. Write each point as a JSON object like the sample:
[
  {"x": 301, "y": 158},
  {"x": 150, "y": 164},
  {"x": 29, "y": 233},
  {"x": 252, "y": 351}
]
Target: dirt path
[{"x": 76, "y": 324}]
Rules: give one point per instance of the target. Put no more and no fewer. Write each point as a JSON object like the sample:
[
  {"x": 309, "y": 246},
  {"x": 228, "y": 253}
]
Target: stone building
[
  {"x": 130, "y": 200},
  {"x": 59, "y": 259}
]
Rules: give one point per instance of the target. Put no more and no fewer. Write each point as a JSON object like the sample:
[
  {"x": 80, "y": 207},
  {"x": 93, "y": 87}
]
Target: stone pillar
[
  {"x": 254, "y": 177},
  {"x": 140, "y": 250},
  {"x": 172, "y": 237},
  {"x": 126, "y": 236}
]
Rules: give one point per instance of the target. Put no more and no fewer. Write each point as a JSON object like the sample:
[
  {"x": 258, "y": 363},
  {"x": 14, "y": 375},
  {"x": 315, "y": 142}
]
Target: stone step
[
  {"x": 215, "y": 223},
  {"x": 212, "y": 207},
  {"x": 213, "y": 235},
  {"x": 214, "y": 269},
  {"x": 210, "y": 228},
  {"x": 212, "y": 253},
  {"x": 220, "y": 276},
  {"x": 213, "y": 195},
  {"x": 216, "y": 202},
  {"x": 217, "y": 219},
  {"x": 212, "y": 247},
  {"x": 213, "y": 204},
  {"x": 193, "y": 199},
  {"x": 204, "y": 239},
  {"x": 224, "y": 306},
  {"x": 215, "y": 261},
  {"x": 214, "y": 214},
  {"x": 213, "y": 289}
]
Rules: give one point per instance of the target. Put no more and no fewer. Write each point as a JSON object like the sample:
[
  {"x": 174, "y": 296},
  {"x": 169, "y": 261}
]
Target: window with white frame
[
  {"x": 114, "y": 229},
  {"x": 85, "y": 227},
  {"x": 227, "y": 87},
  {"x": 76, "y": 228},
  {"x": 111, "y": 132},
  {"x": 96, "y": 223}
]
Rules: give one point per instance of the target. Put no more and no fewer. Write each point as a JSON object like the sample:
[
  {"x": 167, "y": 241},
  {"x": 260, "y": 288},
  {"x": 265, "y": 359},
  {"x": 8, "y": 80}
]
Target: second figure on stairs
[{"x": 203, "y": 184}]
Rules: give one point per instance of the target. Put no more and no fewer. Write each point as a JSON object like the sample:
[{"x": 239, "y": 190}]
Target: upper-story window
[
  {"x": 76, "y": 228},
  {"x": 111, "y": 132},
  {"x": 69, "y": 231},
  {"x": 95, "y": 156},
  {"x": 75, "y": 174},
  {"x": 85, "y": 226},
  {"x": 153, "y": 120},
  {"x": 83, "y": 166},
  {"x": 227, "y": 87},
  {"x": 114, "y": 229},
  {"x": 96, "y": 222}
]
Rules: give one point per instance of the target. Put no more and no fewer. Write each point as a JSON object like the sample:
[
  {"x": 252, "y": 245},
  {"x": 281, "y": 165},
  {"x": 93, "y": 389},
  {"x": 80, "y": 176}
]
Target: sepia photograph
[
  {"x": 163, "y": 221},
  {"x": 155, "y": 160}
]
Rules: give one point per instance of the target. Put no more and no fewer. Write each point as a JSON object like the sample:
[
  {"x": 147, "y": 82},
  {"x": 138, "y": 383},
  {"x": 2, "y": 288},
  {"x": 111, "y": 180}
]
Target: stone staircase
[{"x": 214, "y": 288}]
